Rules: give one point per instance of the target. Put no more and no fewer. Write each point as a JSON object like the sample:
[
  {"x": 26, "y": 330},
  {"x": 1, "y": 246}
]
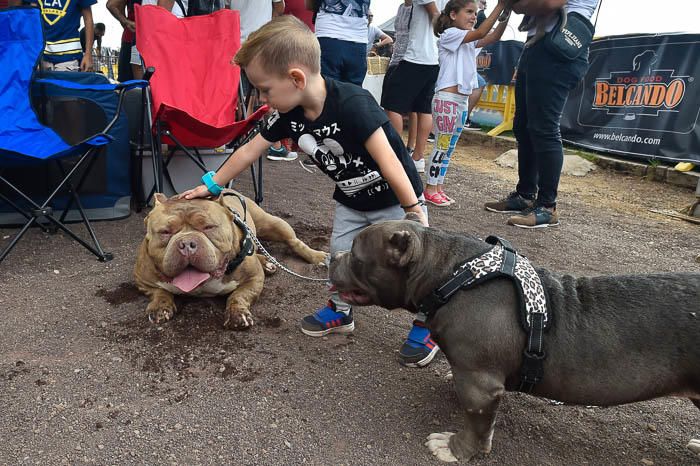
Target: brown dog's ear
[
  {"x": 159, "y": 198},
  {"x": 400, "y": 248},
  {"x": 412, "y": 216}
]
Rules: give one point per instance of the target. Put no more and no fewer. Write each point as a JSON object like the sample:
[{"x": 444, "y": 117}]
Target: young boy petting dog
[{"x": 347, "y": 135}]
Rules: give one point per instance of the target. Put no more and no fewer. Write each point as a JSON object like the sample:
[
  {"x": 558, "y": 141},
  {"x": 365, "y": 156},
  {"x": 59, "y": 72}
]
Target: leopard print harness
[{"x": 535, "y": 318}]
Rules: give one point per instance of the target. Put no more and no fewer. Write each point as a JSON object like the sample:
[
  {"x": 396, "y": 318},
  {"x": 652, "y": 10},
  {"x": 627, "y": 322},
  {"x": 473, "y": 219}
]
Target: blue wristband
[{"x": 208, "y": 180}]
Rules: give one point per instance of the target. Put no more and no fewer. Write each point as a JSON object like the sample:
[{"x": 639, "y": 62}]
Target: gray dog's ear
[
  {"x": 412, "y": 216},
  {"x": 400, "y": 248}
]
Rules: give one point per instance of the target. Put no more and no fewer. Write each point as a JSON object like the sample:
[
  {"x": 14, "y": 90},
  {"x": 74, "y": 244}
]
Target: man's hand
[
  {"x": 86, "y": 62},
  {"x": 130, "y": 25},
  {"x": 537, "y": 7},
  {"x": 199, "y": 191}
]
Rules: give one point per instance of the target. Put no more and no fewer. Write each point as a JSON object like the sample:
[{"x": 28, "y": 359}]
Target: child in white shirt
[{"x": 458, "y": 46}]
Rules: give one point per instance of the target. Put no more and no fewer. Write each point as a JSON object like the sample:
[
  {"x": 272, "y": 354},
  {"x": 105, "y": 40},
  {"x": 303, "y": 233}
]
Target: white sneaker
[{"x": 420, "y": 165}]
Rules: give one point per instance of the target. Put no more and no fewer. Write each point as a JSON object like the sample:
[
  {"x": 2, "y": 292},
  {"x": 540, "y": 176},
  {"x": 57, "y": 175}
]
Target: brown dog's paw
[
  {"x": 269, "y": 268},
  {"x": 320, "y": 258},
  {"x": 158, "y": 316},
  {"x": 238, "y": 320}
]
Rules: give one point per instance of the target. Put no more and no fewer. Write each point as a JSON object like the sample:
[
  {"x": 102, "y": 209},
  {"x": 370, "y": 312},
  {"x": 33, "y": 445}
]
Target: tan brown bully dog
[
  {"x": 198, "y": 248},
  {"x": 611, "y": 339}
]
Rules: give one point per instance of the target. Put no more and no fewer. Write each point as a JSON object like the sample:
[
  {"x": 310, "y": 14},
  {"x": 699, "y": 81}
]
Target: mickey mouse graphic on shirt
[{"x": 331, "y": 157}]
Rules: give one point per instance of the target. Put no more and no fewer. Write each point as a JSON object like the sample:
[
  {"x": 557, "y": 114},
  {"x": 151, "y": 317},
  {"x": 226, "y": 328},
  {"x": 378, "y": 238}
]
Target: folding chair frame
[
  {"x": 160, "y": 163},
  {"x": 45, "y": 211}
]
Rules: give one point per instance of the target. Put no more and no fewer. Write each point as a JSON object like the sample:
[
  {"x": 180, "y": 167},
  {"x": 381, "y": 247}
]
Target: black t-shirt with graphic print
[{"x": 336, "y": 143}]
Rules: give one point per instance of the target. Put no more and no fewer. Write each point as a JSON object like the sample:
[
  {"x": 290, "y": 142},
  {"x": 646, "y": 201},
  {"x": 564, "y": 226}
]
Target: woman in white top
[{"x": 458, "y": 46}]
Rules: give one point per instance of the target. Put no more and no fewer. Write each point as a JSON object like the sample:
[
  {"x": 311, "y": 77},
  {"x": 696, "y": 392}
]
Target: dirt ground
[{"x": 86, "y": 379}]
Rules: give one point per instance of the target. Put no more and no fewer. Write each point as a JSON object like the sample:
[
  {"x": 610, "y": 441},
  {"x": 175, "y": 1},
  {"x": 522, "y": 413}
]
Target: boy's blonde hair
[{"x": 283, "y": 42}]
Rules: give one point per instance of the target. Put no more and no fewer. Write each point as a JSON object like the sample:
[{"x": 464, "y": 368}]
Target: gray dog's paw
[
  {"x": 694, "y": 446},
  {"x": 439, "y": 445}
]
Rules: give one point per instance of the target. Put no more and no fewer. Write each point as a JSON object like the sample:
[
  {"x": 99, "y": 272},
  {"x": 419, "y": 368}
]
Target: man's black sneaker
[
  {"x": 512, "y": 204},
  {"x": 537, "y": 217}
]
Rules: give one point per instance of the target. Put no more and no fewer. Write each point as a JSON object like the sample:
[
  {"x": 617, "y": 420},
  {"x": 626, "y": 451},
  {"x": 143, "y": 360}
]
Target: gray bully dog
[{"x": 612, "y": 339}]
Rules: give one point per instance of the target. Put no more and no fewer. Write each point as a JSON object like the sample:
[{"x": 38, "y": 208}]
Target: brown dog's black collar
[{"x": 247, "y": 245}]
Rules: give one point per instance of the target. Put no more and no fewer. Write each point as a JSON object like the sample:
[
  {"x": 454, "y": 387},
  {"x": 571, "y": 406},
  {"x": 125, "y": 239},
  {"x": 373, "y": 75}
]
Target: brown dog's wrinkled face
[
  {"x": 377, "y": 269},
  {"x": 190, "y": 241}
]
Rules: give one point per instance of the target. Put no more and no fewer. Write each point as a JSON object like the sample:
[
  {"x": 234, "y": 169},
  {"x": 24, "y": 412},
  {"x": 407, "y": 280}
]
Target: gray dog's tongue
[{"x": 189, "y": 279}]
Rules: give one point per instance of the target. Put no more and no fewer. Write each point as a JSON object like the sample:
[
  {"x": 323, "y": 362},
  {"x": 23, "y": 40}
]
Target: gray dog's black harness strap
[
  {"x": 503, "y": 261},
  {"x": 247, "y": 245}
]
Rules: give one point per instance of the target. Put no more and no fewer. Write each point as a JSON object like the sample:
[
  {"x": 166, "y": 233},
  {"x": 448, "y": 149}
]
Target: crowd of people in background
[{"x": 431, "y": 81}]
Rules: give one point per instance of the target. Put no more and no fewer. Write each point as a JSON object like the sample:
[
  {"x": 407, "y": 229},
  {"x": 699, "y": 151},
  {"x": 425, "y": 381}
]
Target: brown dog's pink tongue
[{"x": 189, "y": 279}]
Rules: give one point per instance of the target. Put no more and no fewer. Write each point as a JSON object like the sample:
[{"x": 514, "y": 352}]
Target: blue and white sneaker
[
  {"x": 326, "y": 320},
  {"x": 419, "y": 349}
]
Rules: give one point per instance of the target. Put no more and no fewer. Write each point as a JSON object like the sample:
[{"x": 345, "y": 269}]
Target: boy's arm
[
  {"x": 86, "y": 62},
  {"x": 239, "y": 161},
  {"x": 391, "y": 169},
  {"x": 493, "y": 36}
]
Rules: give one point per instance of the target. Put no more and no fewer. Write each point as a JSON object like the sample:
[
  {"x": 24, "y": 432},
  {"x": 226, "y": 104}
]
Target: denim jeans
[
  {"x": 343, "y": 60},
  {"x": 542, "y": 85}
]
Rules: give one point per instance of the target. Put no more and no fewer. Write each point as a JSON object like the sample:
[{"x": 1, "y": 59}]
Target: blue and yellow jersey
[{"x": 61, "y": 25}]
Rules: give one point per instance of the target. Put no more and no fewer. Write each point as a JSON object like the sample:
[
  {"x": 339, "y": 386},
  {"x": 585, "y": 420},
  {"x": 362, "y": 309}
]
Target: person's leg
[
  {"x": 424, "y": 123},
  {"x": 460, "y": 120},
  {"x": 403, "y": 84},
  {"x": 354, "y": 62},
  {"x": 396, "y": 120},
  {"x": 548, "y": 86},
  {"x": 527, "y": 163},
  {"x": 422, "y": 105},
  {"x": 524, "y": 195},
  {"x": 336, "y": 315},
  {"x": 136, "y": 66},
  {"x": 474, "y": 98},
  {"x": 548, "y": 83},
  {"x": 412, "y": 130},
  {"x": 331, "y": 57},
  {"x": 444, "y": 118},
  {"x": 124, "y": 67}
]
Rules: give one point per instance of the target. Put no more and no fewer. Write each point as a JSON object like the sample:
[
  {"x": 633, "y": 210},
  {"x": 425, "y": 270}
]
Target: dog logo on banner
[
  {"x": 53, "y": 10},
  {"x": 643, "y": 90}
]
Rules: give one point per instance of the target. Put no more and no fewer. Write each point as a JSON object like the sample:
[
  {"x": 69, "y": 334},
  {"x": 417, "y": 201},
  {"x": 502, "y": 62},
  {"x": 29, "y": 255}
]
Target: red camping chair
[{"x": 195, "y": 90}]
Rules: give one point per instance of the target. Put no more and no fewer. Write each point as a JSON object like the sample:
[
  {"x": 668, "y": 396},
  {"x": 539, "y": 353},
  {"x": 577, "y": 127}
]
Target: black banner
[
  {"x": 497, "y": 62},
  {"x": 639, "y": 98}
]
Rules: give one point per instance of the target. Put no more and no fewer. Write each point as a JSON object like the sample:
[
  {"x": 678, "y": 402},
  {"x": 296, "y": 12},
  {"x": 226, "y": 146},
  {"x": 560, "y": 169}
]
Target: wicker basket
[{"x": 377, "y": 65}]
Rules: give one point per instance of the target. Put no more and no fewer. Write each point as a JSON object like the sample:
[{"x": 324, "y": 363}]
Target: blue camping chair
[{"x": 26, "y": 143}]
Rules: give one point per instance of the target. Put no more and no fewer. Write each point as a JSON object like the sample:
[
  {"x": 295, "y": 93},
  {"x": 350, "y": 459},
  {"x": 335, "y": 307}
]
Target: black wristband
[{"x": 404, "y": 207}]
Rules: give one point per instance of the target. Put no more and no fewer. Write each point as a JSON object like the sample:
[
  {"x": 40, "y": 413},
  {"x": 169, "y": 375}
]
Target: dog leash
[
  {"x": 276, "y": 262},
  {"x": 241, "y": 223}
]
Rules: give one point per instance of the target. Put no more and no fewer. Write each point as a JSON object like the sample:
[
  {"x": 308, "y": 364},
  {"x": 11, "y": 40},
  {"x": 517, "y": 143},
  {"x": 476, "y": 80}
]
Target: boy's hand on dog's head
[{"x": 199, "y": 191}]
